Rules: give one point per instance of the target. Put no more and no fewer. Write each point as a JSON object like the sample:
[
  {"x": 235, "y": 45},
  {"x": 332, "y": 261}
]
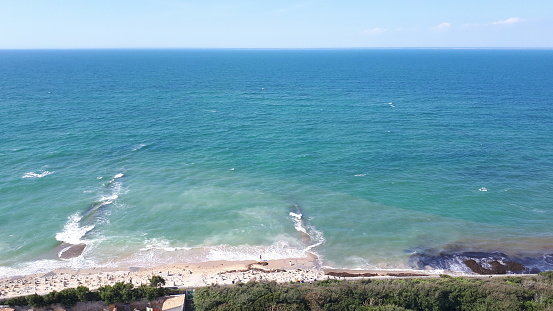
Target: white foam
[
  {"x": 41, "y": 266},
  {"x": 108, "y": 199},
  {"x": 45, "y": 266},
  {"x": 37, "y": 175},
  {"x": 458, "y": 265},
  {"x": 278, "y": 250},
  {"x": 114, "y": 185},
  {"x": 296, "y": 215},
  {"x": 316, "y": 237},
  {"x": 162, "y": 254},
  {"x": 139, "y": 147},
  {"x": 72, "y": 232},
  {"x": 116, "y": 189},
  {"x": 360, "y": 175},
  {"x": 161, "y": 244},
  {"x": 104, "y": 200},
  {"x": 298, "y": 222}
]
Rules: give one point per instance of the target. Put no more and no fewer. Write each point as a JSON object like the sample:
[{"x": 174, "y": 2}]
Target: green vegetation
[
  {"x": 119, "y": 292},
  {"x": 157, "y": 281},
  {"x": 445, "y": 293},
  {"x": 533, "y": 293}
]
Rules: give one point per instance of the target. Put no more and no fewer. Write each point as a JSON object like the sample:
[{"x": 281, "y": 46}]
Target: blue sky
[{"x": 275, "y": 24}]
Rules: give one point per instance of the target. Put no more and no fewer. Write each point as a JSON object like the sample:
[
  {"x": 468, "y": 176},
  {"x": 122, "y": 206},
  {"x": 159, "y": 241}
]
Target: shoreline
[
  {"x": 201, "y": 274},
  {"x": 175, "y": 275},
  {"x": 191, "y": 275}
]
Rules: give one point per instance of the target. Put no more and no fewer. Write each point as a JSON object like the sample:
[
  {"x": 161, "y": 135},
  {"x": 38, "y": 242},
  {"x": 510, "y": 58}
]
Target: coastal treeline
[
  {"x": 119, "y": 292},
  {"x": 446, "y": 293}
]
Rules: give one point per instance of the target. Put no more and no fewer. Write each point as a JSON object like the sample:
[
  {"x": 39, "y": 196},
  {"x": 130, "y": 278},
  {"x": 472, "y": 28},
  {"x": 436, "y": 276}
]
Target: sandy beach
[{"x": 188, "y": 275}]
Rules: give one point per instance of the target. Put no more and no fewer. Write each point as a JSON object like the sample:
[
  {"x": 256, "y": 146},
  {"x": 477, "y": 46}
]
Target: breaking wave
[
  {"x": 310, "y": 235},
  {"x": 36, "y": 175},
  {"x": 80, "y": 224},
  {"x": 73, "y": 232}
]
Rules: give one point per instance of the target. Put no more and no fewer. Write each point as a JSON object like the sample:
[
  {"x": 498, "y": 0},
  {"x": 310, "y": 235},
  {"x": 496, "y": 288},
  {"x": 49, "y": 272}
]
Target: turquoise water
[{"x": 161, "y": 156}]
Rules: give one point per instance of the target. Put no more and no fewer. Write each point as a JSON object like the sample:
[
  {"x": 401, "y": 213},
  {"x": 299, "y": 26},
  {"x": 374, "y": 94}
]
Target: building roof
[{"x": 173, "y": 303}]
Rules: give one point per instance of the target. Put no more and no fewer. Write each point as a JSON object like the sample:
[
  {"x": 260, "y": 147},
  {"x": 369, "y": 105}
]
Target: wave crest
[
  {"x": 36, "y": 175},
  {"x": 73, "y": 232}
]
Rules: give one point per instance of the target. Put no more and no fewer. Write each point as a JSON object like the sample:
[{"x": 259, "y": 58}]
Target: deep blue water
[{"x": 157, "y": 156}]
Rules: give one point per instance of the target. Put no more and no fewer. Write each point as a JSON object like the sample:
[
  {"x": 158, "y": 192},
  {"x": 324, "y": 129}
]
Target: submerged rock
[
  {"x": 68, "y": 251},
  {"x": 481, "y": 262},
  {"x": 495, "y": 267}
]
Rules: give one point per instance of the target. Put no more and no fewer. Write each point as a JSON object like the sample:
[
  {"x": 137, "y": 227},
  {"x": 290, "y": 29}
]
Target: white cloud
[
  {"x": 443, "y": 27},
  {"x": 375, "y": 31},
  {"x": 508, "y": 21},
  {"x": 511, "y": 20}
]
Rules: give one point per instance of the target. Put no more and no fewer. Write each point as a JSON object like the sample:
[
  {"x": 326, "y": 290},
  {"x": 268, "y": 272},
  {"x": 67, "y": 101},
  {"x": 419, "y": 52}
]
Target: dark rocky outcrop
[
  {"x": 481, "y": 262},
  {"x": 495, "y": 267},
  {"x": 68, "y": 251}
]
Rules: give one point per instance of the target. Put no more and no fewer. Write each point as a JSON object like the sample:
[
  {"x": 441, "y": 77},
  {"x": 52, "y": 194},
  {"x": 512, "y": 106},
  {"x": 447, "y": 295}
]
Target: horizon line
[{"x": 273, "y": 48}]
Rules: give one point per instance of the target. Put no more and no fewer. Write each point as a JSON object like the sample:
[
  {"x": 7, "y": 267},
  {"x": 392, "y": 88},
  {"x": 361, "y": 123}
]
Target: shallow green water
[{"x": 156, "y": 156}]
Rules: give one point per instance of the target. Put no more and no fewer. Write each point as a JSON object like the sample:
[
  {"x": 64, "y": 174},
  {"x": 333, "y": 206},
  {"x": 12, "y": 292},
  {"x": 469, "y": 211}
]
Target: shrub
[
  {"x": 153, "y": 293},
  {"x": 51, "y": 298},
  {"x": 68, "y": 297},
  {"x": 548, "y": 275},
  {"x": 157, "y": 281},
  {"x": 407, "y": 294},
  {"x": 36, "y": 301},
  {"x": 17, "y": 301}
]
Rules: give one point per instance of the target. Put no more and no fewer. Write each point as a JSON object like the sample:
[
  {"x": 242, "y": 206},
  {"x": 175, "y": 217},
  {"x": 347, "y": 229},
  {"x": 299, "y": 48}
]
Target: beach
[
  {"x": 180, "y": 275},
  {"x": 190, "y": 275}
]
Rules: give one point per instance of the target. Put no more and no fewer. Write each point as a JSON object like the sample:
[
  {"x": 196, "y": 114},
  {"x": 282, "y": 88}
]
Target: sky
[{"x": 76, "y": 24}]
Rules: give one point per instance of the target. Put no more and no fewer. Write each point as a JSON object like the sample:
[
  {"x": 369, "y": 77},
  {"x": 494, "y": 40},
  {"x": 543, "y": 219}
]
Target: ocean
[{"x": 384, "y": 158}]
